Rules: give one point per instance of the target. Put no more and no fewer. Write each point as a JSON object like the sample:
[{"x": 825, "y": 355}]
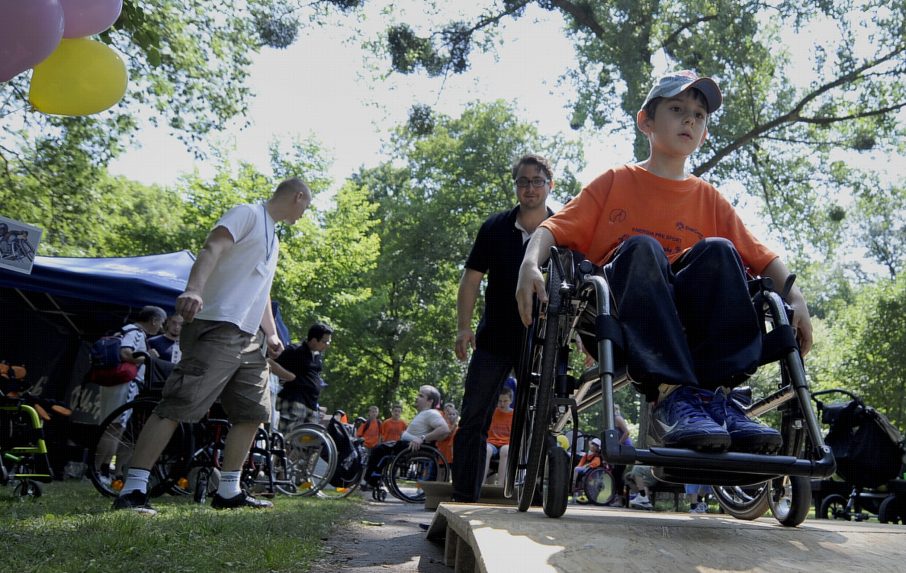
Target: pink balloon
[
  {"x": 89, "y": 17},
  {"x": 30, "y": 30}
]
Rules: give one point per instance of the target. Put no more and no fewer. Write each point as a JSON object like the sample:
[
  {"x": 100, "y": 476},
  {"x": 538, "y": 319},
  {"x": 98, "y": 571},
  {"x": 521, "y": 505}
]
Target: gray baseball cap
[{"x": 675, "y": 83}]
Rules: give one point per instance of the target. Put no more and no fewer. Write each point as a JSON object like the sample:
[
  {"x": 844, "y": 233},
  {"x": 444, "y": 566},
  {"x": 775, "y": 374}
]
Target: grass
[{"x": 71, "y": 528}]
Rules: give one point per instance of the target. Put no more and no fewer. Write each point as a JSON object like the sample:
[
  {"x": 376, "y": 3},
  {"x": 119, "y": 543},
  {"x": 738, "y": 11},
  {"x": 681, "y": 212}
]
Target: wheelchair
[
  {"x": 402, "y": 470},
  {"x": 550, "y": 397}
]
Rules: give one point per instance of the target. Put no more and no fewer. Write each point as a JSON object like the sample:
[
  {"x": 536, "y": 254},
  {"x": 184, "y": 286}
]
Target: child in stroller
[{"x": 869, "y": 451}]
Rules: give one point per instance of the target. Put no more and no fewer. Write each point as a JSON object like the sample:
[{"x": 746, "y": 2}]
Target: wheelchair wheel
[
  {"x": 110, "y": 456},
  {"x": 834, "y": 507},
  {"x": 790, "y": 499},
  {"x": 204, "y": 481},
  {"x": 540, "y": 392},
  {"x": 27, "y": 489},
  {"x": 743, "y": 502},
  {"x": 555, "y": 484},
  {"x": 891, "y": 511},
  {"x": 599, "y": 486},
  {"x": 403, "y": 474},
  {"x": 311, "y": 460},
  {"x": 342, "y": 488}
]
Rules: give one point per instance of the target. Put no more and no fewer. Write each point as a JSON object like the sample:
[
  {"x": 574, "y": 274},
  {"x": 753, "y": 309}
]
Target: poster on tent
[{"x": 18, "y": 245}]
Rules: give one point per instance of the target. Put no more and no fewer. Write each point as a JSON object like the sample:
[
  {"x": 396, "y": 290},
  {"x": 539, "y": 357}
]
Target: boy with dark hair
[
  {"x": 299, "y": 366},
  {"x": 675, "y": 255}
]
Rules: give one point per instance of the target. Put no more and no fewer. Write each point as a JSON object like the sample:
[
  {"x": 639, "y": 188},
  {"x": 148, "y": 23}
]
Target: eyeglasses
[{"x": 536, "y": 182}]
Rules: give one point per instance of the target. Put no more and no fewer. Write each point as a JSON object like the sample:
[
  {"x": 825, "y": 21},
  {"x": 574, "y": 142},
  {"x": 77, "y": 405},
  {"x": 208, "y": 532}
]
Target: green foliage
[
  {"x": 786, "y": 117},
  {"x": 860, "y": 348}
]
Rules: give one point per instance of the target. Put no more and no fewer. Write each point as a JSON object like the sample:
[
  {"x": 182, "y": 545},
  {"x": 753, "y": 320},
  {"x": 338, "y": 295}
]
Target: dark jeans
[
  {"x": 380, "y": 456},
  {"x": 484, "y": 381},
  {"x": 689, "y": 324}
]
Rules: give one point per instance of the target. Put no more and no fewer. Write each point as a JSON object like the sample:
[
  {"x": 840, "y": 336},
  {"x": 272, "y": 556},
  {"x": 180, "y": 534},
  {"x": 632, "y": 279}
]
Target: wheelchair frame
[{"x": 550, "y": 397}]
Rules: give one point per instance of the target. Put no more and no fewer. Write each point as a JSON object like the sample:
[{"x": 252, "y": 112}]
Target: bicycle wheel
[
  {"x": 538, "y": 416},
  {"x": 743, "y": 502},
  {"x": 311, "y": 460},
  {"x": 790, "y": 499},
  {"x": 555, "y": 484},
  {"x": 403, "y": 474},
  {"x": 110, "y": 457},
  {"x": 599, "y": 486}
]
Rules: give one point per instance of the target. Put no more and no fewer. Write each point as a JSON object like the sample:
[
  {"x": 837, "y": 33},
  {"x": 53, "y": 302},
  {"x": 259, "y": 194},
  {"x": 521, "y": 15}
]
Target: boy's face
[
  {"x": 679, "y": 127},
  {"x": 373, "y": 412},
  {"x": 396, "y": 412},
  {"x": 504, "y": 401}
]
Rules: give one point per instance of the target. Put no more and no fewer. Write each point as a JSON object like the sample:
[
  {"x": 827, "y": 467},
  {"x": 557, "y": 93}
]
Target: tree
[
  {"x": 188, "y": 63},
  {"x": 446, "y": 175},
  {"x": 784, "y": 121},
  {"x": 861, "y": 348}
]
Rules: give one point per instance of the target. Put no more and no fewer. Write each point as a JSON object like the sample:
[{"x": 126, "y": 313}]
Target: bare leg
[
  {"x": 152, "y": 441},
  {"x": 501, "y": 466},
  {"x": 238, "y": 442}
]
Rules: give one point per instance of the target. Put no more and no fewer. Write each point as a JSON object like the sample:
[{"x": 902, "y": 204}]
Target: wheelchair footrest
[{"x": 722, "y": 463}]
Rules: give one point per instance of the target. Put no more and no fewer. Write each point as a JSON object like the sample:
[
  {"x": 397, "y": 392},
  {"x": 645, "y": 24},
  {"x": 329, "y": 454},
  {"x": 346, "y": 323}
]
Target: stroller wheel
[{"x": 834, "y": 507}]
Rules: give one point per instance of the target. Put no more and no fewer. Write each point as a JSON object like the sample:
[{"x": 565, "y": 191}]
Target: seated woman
[{"x": 499, "y": 434}]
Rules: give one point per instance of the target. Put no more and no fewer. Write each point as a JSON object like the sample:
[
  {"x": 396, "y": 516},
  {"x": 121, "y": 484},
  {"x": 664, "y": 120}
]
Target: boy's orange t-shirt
[
  {"x": 629, "y": 200},
  {"x": 393, "y": 429},
  {"x": 499, "y": 432},
  {"x": 590, "y": 460},
  {"x": 372, "y": 433},
  {"x": 446, "y": 445}
]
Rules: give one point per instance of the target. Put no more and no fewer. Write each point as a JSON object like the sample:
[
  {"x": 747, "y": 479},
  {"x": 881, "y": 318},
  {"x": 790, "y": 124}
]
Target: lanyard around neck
[{"x": 268, "y": 241}]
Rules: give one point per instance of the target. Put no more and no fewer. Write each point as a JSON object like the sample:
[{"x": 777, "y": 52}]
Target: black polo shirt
[
  {"x": 498, "y": 252},
  {"x": 306, "y": 365}
]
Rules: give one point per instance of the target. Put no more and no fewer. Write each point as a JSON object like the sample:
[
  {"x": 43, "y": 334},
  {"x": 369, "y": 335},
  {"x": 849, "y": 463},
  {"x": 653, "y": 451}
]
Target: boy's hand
[
  {"x": 802, "y": 323},
  {"x": 530, "y": 282}
]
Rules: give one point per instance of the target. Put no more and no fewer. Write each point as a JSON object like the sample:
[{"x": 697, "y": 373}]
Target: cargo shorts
[{"x": 218, "y": 360}]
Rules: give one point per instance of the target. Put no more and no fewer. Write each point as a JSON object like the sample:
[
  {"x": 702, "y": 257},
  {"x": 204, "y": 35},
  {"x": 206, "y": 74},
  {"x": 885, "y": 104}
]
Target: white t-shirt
[
  {"x": 423, "y": 423},
  {"x": 134, "y": 338},
  {"x": 238, "y": 288}
]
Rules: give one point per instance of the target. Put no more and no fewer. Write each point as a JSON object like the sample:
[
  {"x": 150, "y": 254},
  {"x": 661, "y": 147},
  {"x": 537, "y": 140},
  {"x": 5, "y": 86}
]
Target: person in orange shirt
[
  {"x": 675, "y": 255},
  {"x": 370, "y": 431},
  {"x": 499, "y": 434},
  {"x": 451, "y": 415},
  {"x": 590, "y": 460},
  {"x": 395, "y": 425}
]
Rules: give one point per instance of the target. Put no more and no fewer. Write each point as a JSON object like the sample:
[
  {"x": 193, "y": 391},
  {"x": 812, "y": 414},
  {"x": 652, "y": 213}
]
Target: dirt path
[{"x": 388, "y": 536}]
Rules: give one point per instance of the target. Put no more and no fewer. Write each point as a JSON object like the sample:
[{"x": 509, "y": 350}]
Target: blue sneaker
[
  {"x": 746, "y": 435},
  {"x": 680, "y": 421}
]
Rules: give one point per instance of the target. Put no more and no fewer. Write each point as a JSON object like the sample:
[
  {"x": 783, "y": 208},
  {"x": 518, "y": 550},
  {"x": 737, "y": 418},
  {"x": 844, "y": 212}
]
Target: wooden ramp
[{"x": 493, "y": 539}]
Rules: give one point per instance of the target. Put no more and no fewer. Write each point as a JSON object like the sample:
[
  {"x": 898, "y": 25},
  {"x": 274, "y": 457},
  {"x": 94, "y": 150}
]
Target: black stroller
[{"x": 870, "y": 454}]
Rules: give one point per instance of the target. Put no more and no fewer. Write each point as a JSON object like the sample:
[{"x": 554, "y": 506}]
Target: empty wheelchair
[{"x": 550, "y": 397}]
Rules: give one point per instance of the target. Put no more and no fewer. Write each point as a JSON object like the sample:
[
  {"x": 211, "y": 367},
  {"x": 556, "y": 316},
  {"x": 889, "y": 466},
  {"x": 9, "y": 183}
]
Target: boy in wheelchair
[{"x": 676, "y": 257}]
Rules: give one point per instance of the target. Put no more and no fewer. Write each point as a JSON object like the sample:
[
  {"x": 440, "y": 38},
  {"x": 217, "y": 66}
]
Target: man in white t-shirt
[
  {"x": 228, "y": 335},
  {"x": 428, "y": 425}
]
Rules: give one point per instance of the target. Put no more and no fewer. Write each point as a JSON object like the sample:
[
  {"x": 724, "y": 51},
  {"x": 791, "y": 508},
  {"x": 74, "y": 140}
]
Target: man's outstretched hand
[{"x": 531, "y": 282}]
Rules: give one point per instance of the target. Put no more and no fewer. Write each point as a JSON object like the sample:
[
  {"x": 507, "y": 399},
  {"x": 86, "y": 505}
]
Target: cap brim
[{"x": 709, "y": 88}]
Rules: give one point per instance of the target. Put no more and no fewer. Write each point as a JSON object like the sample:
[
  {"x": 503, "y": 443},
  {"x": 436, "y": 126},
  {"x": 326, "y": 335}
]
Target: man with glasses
[{"x": 497, "y": 253}]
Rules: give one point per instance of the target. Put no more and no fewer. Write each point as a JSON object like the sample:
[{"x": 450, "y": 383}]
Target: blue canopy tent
[{"x": 49, "y": 317}]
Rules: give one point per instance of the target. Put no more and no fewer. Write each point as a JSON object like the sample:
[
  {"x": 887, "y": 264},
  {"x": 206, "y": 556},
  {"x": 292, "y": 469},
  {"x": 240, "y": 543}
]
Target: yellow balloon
[{"x": 80, "y": 77}]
